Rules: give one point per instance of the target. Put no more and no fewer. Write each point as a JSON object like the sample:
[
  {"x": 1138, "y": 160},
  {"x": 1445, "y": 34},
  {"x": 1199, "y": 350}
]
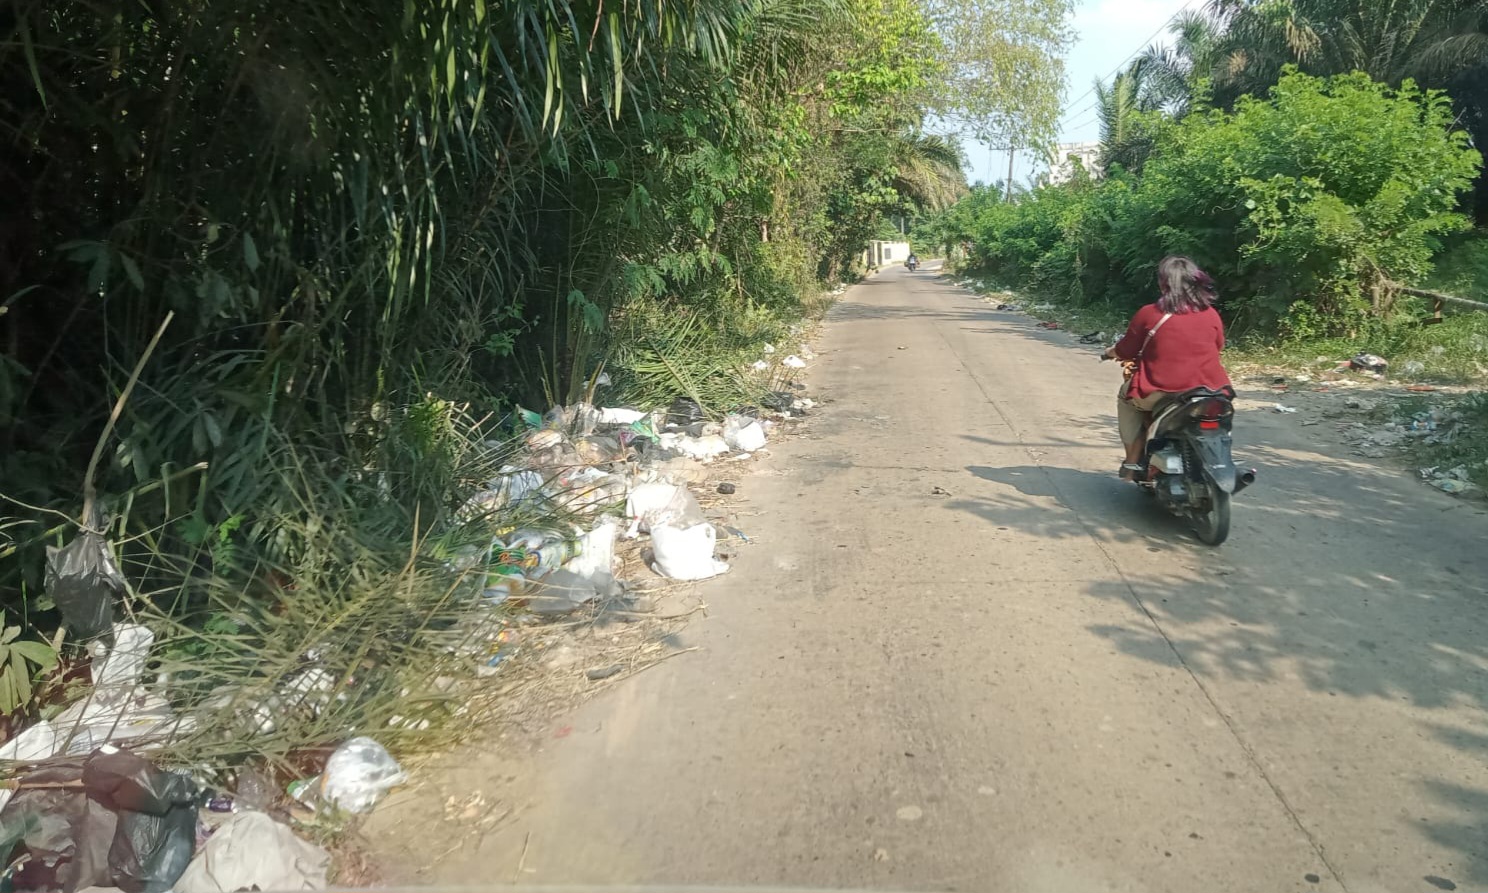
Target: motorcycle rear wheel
[{"x": 1212, "y": 526}]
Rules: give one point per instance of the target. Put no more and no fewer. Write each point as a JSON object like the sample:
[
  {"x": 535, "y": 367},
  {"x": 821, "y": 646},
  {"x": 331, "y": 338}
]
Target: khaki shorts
[{"x": 1131, "y": 415}]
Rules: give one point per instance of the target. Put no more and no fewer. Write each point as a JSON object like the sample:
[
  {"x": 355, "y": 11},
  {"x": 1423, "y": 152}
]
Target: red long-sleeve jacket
[{"x": 1184, "y": 354}]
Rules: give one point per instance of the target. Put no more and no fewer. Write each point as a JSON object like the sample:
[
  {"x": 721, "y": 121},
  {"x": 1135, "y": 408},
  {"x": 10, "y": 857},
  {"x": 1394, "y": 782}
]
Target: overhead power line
[{"x": 1134, "y": 53}]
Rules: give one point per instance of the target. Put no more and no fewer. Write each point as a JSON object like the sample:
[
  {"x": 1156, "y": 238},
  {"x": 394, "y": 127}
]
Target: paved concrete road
[{"x": 1038, "y": 682}]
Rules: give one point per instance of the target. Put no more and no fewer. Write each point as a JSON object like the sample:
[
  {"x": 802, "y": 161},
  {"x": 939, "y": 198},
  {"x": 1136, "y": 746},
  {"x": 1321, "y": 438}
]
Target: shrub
[{"x": 1306, "y": 205}]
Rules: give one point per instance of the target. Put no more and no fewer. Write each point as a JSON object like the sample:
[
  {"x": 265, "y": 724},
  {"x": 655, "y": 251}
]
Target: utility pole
[{"x": 1012, "y": 152}]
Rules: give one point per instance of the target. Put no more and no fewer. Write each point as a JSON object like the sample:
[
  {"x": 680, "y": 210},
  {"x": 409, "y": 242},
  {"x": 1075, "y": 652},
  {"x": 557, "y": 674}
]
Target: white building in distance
[{"x": 1062, "y": 165}]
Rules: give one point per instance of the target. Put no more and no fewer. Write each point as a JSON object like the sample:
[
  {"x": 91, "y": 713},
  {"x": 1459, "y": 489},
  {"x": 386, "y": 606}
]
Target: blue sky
[{"x": 1107, "y": 32}]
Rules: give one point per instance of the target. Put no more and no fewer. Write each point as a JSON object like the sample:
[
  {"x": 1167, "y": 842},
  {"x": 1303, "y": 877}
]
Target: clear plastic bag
[{"x": 358, "y": 773}]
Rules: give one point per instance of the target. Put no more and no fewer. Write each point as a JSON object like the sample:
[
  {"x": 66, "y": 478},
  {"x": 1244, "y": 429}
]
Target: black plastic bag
[
  {"x": 781, "y": 401},
  {"x": 685, "y": 411},
  {"x": 66, "y": 833},
  {"x": 82, "y": 579},
  {"x": 111, "y": 820},
  {"x": 156, "y": 837}
]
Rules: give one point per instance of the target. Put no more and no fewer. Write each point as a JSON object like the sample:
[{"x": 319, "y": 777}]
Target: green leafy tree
[
  {"x": 1308, "y": 205},
  {"x": 1003, "y": 66}
]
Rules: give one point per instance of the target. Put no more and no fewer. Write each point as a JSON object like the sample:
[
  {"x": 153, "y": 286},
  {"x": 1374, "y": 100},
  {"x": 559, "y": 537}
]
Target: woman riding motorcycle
[{"x": 1171, "y": 346}]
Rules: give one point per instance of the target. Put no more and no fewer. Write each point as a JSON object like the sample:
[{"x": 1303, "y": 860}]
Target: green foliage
[
  {"x": 21, "y": 661},
  {"x": 1305, "y": 205},
  {"x": 1128, "y": 120},
  {"x": 1004, "y": 67},
  {"x": 1462, "y": 268},
  {"x": 1387, "y": 41},
  {"x": 378, "y": 229}
]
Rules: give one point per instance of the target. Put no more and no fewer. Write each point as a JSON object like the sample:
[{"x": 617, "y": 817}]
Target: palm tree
[
  {"x": 1430, "y": 40},
  {"x": 1175, "y": 73},
  {"x": 1120, "y": 106},
  {"x": 930, "y": 170}
]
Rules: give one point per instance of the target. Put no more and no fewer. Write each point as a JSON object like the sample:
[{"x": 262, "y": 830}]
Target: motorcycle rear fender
[{"x": 1213, "y": 451}]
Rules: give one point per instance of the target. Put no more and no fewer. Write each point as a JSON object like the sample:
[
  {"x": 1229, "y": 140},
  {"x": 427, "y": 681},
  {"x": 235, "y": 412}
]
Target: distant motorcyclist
[
  {"x": 1183, "y": 357},
  {"x": 914, "y": 261}
]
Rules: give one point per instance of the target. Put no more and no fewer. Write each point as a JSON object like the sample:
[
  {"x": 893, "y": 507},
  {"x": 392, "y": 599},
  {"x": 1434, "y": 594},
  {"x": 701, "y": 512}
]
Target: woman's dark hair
[{"x": 1185, "y": 288}]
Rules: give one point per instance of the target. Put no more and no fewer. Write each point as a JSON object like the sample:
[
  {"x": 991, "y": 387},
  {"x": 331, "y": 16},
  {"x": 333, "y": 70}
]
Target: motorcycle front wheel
[{"x": 1212, "y": 526}]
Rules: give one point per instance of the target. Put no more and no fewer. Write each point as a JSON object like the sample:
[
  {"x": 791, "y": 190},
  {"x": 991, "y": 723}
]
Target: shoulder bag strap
[{"x": 1150, "y": 332}]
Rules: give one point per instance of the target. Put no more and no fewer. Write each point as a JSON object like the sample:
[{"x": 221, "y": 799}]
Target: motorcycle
[
  {"x": 1188, "y": 464},
  {"x": 912, "y": 265}
]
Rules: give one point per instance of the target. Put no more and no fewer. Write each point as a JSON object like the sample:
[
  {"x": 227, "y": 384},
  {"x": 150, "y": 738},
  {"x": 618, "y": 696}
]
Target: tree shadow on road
[
  {"x": 1403, "y": 624},
  {"x": 1066, "y": 503},
  {"x": 1344, "y": 581}
]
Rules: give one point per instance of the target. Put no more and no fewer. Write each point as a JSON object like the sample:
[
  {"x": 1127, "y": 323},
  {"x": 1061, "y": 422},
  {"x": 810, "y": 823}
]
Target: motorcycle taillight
[{"x": 1213, "y": 408}]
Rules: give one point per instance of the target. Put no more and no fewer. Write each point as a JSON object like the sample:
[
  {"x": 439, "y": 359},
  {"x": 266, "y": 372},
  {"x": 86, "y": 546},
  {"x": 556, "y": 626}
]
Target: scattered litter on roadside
[
  {"x": 653, "y": 505},
  {"x": 540, "y": 588},
  {"x": 110, "y": 819},
  {"x": 251, "y": 851},
  {"x": 742, "y": 433},
  {"x": 1372, "y": 365},
  {"x": 599, "y": 673},
  {"x": 1093, "y": 338},
  {"x": 356, "y": 776},
  {"x": 699, "y": 448},
  {"x": 1455, "y": 487},
  {"x": 620, "y": 416},
  {"x": 1048, "y": 324},
  {"x": 1277, "y": 407},
  {"x": 686, "y": 553},
  {"x": 940, "y": 491},
  {"x": 685, "y": 411},
  {"x": 118, "y": 709}
]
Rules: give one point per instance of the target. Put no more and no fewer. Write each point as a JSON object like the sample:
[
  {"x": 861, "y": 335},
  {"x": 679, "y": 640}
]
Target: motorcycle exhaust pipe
[{"x": 1245, "y": 480}]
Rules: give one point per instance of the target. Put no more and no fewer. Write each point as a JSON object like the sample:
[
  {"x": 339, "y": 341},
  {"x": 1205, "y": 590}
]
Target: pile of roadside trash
[
  {"x": 1436, "y": 426},
  {"x": 85, "y": 805}
]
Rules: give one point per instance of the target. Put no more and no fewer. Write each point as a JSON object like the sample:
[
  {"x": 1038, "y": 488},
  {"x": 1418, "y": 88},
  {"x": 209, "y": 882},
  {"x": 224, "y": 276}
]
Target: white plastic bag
[
  {"x": 620, "y": 416},
  {"x": 657, "y": 504},
  {"x": 686, "y": 553},
  {"x": 251, "y": 851},
  {"x": 123, "y": 666},
  {"x": 358, "y": 773},
  {"x": 596, "y": 556},
  {"x": 794, "y": 362},
  {"x": 702, "y": 448},
  {"x": 743, "y": 433},
  {"x": 118, "y": 708}
]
